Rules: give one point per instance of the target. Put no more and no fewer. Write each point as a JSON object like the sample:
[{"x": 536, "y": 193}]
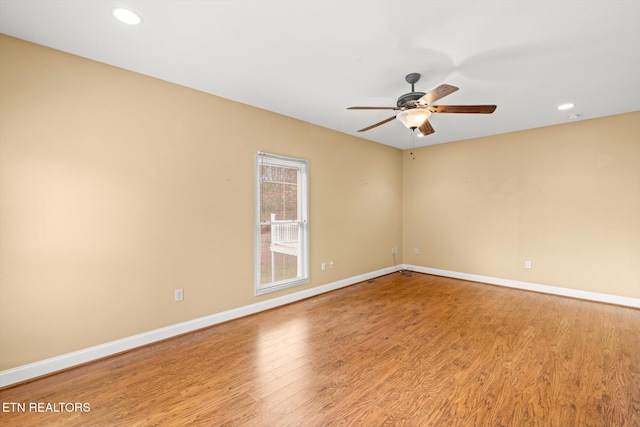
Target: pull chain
[{"x": 413, "y": 144}]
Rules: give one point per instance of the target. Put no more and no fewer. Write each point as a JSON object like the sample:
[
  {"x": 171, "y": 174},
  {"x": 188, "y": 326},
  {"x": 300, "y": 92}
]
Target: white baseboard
[
  {"x": 58, "y": 363},
  {"x": 554, "y": 290}
]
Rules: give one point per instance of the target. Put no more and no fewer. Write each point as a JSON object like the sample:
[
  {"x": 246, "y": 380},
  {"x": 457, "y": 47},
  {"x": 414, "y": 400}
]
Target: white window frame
[{"x": 302, "y": 220}]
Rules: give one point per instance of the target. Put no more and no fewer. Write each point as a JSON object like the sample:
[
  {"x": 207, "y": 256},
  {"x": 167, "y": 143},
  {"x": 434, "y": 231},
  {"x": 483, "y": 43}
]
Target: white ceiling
[{"x": 311, "y": 59}]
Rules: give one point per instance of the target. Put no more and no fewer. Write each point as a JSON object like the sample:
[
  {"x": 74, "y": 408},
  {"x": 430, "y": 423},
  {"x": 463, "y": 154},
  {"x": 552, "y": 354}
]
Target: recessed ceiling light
[
  {"x": 565, "y": 106},
  {"x": 127, "y": 16},
  {"x": 574, "y": 117}
]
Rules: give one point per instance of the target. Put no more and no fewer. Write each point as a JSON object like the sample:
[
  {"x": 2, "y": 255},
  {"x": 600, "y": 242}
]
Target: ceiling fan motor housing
[{"x": 409, "y": 100}]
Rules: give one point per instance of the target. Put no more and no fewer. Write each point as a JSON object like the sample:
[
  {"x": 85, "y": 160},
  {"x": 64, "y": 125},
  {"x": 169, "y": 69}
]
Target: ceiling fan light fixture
[{"x": 413, "y": 118}]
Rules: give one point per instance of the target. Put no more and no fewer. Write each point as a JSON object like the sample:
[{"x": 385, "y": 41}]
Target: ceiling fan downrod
[{"x": 412, "y": 79}]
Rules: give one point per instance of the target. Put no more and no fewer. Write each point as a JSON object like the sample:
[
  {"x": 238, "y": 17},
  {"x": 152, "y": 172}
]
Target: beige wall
[
  {"x": 116, "y": 189},
  {"x": 566, "y": 198}
]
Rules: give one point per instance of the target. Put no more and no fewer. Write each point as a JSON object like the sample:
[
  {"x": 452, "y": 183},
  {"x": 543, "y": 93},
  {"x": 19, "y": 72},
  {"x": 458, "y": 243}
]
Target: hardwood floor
[{"x": 413, "y": 350}]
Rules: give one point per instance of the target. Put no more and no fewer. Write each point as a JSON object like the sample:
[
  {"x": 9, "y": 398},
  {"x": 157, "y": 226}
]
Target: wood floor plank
[{"x": 399, "y": 350}]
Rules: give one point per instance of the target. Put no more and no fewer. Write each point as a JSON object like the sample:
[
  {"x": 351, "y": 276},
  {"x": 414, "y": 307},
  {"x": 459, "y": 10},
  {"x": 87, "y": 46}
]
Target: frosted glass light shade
[{"x": 413, "y": 118}]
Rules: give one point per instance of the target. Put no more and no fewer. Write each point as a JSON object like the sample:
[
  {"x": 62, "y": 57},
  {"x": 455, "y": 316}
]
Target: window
[{"x": 281, "y": 224}]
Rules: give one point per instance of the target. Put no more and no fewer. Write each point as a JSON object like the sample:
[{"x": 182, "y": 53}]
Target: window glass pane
[
  {"x": 278, "y": 257},
  {"x": 278, "y": 193}
]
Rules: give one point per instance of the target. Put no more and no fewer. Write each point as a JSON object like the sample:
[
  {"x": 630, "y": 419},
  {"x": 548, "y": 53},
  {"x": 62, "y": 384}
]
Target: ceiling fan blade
[
  {"x": 377, "y": 124},
  {"x": 480, "y": 109},
  {"x": 426, "y": 128},
  {"x": 373, "y": 108},
  {"x": 439, "y": 92}
]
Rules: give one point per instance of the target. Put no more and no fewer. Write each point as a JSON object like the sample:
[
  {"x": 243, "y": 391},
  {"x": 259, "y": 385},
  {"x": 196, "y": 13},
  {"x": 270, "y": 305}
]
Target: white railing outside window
[{"x": 283, "y": 233}]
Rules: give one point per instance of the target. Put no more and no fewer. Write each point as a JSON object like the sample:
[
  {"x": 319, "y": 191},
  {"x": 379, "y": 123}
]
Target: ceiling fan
[{"x": 415, "y": 107}]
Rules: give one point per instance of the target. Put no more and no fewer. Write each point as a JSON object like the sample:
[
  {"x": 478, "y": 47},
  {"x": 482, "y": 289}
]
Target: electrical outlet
[
  {"x": 527, "y": 264},
  {"x": 416, "y": 251},
  {"x": 394, "y": 250},
  {"x": 323, "y": 266},
  {"x": 179, "y": 295},
  {"x": 330, "y": 264}
]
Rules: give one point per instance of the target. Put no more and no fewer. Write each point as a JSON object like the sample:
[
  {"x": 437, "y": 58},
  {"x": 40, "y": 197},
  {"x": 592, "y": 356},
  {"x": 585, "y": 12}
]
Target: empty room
[{"x": 318, "y": 213}]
